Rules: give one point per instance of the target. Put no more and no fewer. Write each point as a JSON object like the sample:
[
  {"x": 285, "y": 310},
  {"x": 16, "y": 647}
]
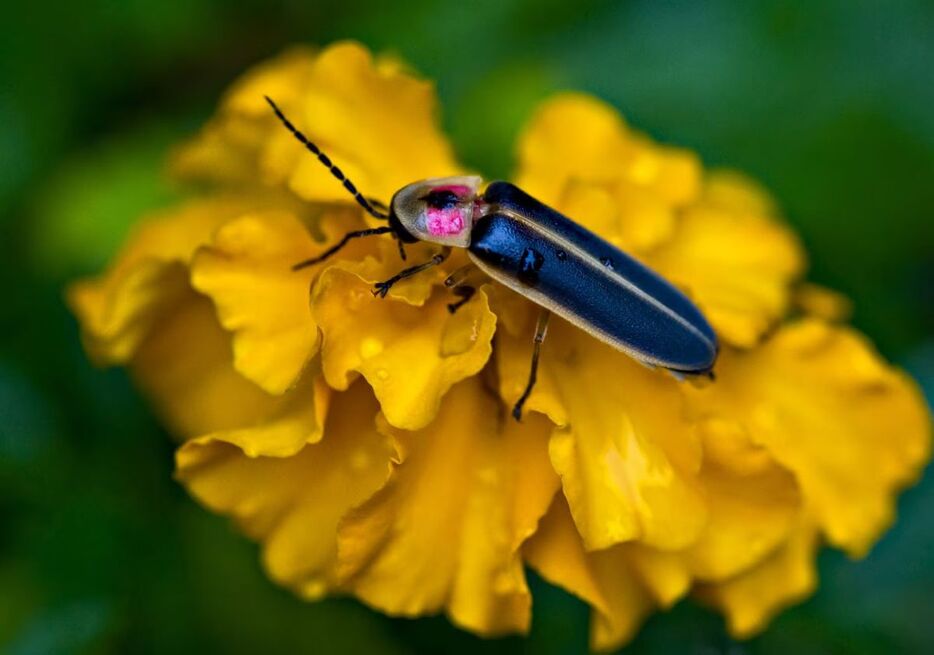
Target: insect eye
[{"x": 442, "y": 199}]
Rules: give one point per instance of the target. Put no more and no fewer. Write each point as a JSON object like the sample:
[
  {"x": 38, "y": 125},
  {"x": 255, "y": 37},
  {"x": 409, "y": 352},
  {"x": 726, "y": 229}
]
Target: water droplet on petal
[
  {"x": 370, "y": 347},
  {"x": 382, "y": 374},
  {"x": 359, "y": 459},
  {"x": 355, "y": 299}
]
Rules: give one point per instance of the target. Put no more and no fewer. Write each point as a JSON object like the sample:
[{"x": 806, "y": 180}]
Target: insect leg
[
  {"x": 401, "y": 248},
  {"x": 458, "y": 283},
  {"x": 459, "y": 276},
  {"x": 382, "y": 288},
  {"x": 465, "y": 293},
  {"x": 541, "y": 329},
  {"x": 340, "y": 244}
]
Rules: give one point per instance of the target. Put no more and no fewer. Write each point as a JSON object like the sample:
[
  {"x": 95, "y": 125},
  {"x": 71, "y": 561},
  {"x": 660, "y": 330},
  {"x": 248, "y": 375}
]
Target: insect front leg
[
  {"x": 340, "y": 244},
  {"x": 382, "y": 288},
  {"x": 541, "y": 329}
]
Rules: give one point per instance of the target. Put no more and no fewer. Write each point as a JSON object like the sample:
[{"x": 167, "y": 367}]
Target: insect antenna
[{"x": 331, "y": 166}]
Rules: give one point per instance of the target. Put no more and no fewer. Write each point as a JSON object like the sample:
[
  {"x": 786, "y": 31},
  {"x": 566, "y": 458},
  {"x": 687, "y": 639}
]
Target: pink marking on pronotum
[
  {"x": 448, "y": 222},
  {"x": 445, "y": 222}
]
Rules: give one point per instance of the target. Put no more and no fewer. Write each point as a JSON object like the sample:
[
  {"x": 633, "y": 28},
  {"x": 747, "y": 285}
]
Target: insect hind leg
[{"x": 541, "y": 330}]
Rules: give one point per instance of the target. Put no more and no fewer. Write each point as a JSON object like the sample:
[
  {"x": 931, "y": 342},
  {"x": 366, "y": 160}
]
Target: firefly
[{"x": 542, "y": 255}]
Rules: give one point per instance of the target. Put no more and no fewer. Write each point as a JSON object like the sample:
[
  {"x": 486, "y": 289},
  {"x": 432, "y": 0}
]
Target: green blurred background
[{"x": 830, "y": 104}]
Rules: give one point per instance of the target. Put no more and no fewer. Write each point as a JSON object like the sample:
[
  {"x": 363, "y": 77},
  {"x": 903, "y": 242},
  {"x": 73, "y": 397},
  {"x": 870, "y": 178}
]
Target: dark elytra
[{"x": 515, "y": 239}]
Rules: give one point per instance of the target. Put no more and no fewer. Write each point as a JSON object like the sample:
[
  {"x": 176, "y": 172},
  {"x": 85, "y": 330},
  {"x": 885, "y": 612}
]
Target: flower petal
[
  {"x": 247, "y": 271},
  {"x": 616, "y": 183},
  {"x": 751, "y": 599},
  {"x": 850, "y": 428},
  {"x": 737, "y": 266},
  {"x": 753, "y": 504},
  {"x": 410, "y": 355},
  {"x": 228, "y": 149},
  {"x": 185, "y": 367},
  {"x": 619, "y": 600},
  {"x": 820, "y": 302},
  {"x": 445, "y": 531},
  {"x": 286, "y": 488},
  {"x": 664, "y": 574},
  {"x": 117, "y": 310},
  {"x": 627, "y": 457},
  {"x": 557, "y": 553},
  {"x": 374, "y": 120},
  {"x": 734, "y": 191}
]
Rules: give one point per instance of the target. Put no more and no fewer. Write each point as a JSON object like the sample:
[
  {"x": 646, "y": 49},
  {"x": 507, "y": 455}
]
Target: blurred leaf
[
  {"x": 486, "y": 129},
  {"x": 70, "y": 629},
  {"x": 27, "y": 420},
  {"x": 84, "y": 212}
]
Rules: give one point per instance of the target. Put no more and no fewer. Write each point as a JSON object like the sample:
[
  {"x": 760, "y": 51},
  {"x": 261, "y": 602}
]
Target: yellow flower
[{"x": 366, "y": 442}]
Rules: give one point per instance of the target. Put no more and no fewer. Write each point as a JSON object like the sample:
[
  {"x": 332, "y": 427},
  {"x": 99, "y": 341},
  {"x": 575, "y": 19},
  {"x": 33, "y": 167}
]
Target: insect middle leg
[
  {"x": 462, "y": 284},
  {"x": 541, "y": 329},
  {"x": 382, "y": 288}
]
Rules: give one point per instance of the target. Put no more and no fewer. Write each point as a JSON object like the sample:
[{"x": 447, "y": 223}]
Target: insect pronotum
[{"x": 541, "y": 254}]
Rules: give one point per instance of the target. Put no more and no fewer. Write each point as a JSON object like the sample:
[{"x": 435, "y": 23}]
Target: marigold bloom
[{"x": 366, "y": 442}]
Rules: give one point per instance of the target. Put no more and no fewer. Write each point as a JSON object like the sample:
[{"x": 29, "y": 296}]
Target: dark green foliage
[{"x": 829, "y": 104}]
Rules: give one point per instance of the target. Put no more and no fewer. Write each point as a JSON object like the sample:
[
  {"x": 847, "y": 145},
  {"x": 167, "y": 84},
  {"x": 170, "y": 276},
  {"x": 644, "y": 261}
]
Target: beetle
[{"x": 543, "y": 255}]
